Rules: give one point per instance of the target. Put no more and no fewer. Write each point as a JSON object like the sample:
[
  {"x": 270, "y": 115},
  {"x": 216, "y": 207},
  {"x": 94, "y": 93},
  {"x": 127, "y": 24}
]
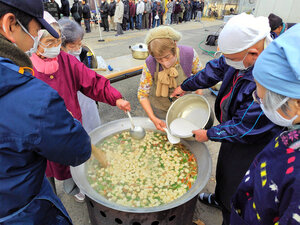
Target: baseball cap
[{"x": 33, "y": 8}]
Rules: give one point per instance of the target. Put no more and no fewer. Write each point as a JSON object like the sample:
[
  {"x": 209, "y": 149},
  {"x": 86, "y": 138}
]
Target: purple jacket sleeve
[
  {"x": 212, "y": 73},
  {"x": 247, "y": 125},
  {"x": 95, "y": 86}
]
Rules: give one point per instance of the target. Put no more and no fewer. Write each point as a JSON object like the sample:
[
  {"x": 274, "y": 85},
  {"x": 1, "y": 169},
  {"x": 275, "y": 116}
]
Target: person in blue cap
[
  {"x": 34, "y": 123},
  {"x": 244, "y": 130},
  {"x": 270, "y": 191}
]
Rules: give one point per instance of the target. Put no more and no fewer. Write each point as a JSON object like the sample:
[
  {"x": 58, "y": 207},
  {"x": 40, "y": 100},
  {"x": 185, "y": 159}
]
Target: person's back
[
  {"x": 65, "y": 8},
  {"x": 34, "y": 124},
  {"x": 86, "y": 13},
  {"x": 53, "y": 8}
]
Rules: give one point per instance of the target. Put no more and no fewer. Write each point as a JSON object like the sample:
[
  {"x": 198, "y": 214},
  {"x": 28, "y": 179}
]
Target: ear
[
  {"x": 9, "y": 26},
  {"x": 297, "y": 104}
]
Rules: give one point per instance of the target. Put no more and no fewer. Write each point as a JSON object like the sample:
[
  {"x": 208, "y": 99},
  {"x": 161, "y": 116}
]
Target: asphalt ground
[{"x": 193, "y": 33}]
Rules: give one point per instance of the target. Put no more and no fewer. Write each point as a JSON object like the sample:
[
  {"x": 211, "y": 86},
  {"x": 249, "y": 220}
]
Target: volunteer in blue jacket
[
  {"x": 244, "y": 130},
  {"x": 270, "y": 191},
  {"x": 34, "y": 123}
]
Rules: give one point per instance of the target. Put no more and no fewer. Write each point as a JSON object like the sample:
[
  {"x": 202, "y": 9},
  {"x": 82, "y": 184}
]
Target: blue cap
[
  {"x": 33, "y": 8},
  {"x": 277, "y": 68}
]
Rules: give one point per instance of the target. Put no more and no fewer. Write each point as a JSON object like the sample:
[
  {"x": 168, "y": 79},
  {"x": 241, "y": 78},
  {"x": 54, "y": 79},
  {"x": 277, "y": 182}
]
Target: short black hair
[
  {"x": 24, "y": 18},
  {"x": 274, "y": 21}
]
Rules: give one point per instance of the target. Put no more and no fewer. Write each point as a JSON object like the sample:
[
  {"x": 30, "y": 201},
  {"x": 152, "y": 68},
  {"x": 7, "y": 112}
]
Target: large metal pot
[
  {"x": 192, "y": 107},
  {"x": 178, "y": 212},
  {"x": 139, "y": 51}
]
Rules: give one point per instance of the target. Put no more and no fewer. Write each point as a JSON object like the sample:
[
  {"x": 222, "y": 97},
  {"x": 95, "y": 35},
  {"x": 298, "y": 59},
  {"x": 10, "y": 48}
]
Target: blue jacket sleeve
[
  {"x": 247, "y": 125},
  {"x": 63, "y": 139},
  {"x": 212, "y": 73}
]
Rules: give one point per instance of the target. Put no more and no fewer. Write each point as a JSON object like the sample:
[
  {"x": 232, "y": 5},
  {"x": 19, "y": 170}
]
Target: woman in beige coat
[{"x": 119, "y": 16}]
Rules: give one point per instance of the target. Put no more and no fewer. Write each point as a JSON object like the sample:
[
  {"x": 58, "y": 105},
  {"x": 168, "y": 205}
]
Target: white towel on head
[{"x": 241, "y": 32}]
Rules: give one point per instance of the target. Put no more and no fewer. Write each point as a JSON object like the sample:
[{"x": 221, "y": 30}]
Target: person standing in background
[
  {"x": 157, "y": 10},
  {"x": 118, "y": 18},
  {"x": 161, "y": 15},
  {"x": 198, "y": 12},
  {"x": 194, "y": 9},
  {"x": 65, "y": 8},
  {"x": 104, "y": 15},
  {"x": 53, "y": 8},
  {"x": 126, "y": 15},
  {"x": 140, "y": 8},
  {"x": 132, "y": 9},
  {"x": 76, "y": 11},
  {"x": 86, "y": 14},
  {"x": 188, "y": 9},
  {"x": 169, "y": 12},
  {"x": 111, "y": 14},
  {"x": 180, "y": 15},
  {"x": 146, "y": 14},
  {"x": 201, "y": 8},
  {"x": 177, "y": 11}
]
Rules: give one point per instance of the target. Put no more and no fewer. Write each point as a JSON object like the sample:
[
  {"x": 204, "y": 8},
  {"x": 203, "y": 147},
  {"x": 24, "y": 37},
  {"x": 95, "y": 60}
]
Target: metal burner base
[{"x": 101, "y": 215}]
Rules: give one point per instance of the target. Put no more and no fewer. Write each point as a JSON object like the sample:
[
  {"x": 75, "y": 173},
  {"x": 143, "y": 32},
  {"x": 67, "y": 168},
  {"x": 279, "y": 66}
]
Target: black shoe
[{"x": 209, "y": 199}]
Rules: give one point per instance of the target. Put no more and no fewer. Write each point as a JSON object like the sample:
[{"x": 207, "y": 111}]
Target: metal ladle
[{"x": 136, "y": 132}]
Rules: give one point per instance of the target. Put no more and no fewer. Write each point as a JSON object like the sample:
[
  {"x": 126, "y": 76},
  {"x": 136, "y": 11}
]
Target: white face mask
[
  {"x": 51, "y": 52},
  {"x": 35, "y": 41},
  {"x": 239, "y": 65},
  {"x": 75, "y": 53},
  {"x": 276, "y": 118}
]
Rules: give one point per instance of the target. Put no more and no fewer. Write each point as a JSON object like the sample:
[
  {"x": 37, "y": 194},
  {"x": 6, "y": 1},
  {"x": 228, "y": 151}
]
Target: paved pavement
[{"x": 193, "y": 34}]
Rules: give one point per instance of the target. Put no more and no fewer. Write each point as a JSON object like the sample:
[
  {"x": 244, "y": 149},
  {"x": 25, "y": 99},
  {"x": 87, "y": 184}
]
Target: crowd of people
[
  {"x": 48, "y": 93},
  {"x": 129, "y": 14}
]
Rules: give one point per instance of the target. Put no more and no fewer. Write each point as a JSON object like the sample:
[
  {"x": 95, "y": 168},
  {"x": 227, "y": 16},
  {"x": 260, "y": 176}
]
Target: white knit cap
[{"x": 241, "y": 32}]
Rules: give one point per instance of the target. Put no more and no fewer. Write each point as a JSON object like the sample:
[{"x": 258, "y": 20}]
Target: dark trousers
[
  {"x": 105, "y": 23},
  {"x": 176, "y": 18},
  {"x": 132, "y": 23},
  {"x": 145, "y": 21},
  {"x": 150, "y": 20},
  {"x": 124, "y": 23},
  {"x": 78, "y": 21},
  {"x": 87, "y": 25},
  {"x": 161, "y": 20},
  {"x": 233, "y": 162},
  {"x": 194, "y": 14},
  {"x": 119, "y": 29}
]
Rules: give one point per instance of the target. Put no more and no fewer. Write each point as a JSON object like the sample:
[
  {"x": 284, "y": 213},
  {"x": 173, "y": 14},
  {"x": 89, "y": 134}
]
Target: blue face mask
[{"x": 35, "y": 40}]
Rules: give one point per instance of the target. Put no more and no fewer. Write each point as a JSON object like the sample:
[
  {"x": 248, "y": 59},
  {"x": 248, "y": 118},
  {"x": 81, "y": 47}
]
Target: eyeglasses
[
  {"x": 256, "y": 98},
  {"x": 54, "y": 42}
]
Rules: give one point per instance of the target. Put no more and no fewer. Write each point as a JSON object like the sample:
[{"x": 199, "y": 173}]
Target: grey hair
[
  {"x": 71, "y": 30},
  {"x": 55, "y": 26},
  {"x": 272, "y": 99}
]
